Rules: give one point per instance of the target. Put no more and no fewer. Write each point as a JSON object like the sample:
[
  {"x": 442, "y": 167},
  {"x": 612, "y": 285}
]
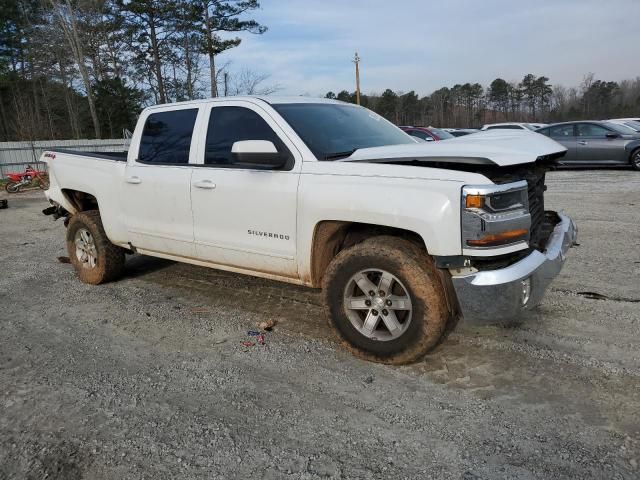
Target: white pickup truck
[{"x": 402, "y": 237}]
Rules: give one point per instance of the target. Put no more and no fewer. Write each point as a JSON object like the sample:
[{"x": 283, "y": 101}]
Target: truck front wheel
[
  {"x": 95, "y": 259},
  {"x": 385, "y": 299}
]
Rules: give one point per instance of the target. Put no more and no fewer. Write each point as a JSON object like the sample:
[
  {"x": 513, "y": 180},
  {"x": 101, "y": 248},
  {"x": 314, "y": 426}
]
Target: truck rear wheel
[
  {"x": 385, "y": 299},
  {"x": 95, "y": 259}
]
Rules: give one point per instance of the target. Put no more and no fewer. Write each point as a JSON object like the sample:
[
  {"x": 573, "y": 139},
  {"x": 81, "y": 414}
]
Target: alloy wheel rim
[
  {"x": 86, "y": 252},
  {"x": 636, "y": 160},
  {"x": 378, "y": 305}
]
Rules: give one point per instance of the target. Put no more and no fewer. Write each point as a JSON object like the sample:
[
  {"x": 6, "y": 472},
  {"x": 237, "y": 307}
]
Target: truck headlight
[{"x": 495, "y": 215}]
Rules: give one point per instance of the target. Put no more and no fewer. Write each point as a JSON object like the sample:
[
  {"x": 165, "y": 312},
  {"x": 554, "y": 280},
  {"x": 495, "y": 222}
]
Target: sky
[{"x": 423, "y": 45}]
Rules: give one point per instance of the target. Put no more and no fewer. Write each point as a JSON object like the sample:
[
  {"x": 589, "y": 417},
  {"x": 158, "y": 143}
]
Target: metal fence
[{"x": 15, "y": 156}]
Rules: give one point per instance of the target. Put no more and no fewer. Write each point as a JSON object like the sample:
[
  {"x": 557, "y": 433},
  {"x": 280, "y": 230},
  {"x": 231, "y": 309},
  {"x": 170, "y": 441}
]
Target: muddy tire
[
  {"x": 95, "y": 259},
  {"x": 385, "y": 300},
  {"x": 635, "y": 159},
  {"x": 12, "y": 187}
]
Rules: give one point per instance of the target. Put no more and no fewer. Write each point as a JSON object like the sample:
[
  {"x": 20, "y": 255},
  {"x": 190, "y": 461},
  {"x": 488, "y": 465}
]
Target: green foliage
[
  {"x": 217, "y": 18},
  {"x": 15, "y": 17},
  {"x": 533, "y": 99},
  {"x": 60, "y": 59},
  {"x": 118, "y": 105},
  {"x": 388, "y": 105},
  {"x": 600, "y": 95},
  {"x": 223, "y": 16},
  {"x": 499, "y": 94},
  {"x": 37, "y": 109},
  {"x": 344, "y": 96}
]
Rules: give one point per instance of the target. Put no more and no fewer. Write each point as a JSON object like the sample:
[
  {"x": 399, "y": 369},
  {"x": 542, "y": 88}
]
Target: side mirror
[
  {"x": 258, "y": 154},
  {"x": 613, "y": 135}
]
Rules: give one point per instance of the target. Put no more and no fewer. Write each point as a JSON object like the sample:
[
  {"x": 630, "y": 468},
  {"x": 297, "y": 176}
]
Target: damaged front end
[
  {"x": 501, "y": 293},
  {"x": 494, "y": 288}
]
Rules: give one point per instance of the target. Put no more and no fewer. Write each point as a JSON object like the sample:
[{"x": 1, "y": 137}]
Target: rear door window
[{"x": 166, "y": 137}]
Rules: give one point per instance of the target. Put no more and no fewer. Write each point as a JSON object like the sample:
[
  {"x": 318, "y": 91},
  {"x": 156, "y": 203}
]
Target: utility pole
[
  {"x": 226, "y": 84},
  {"x": 356, "y": 60}
]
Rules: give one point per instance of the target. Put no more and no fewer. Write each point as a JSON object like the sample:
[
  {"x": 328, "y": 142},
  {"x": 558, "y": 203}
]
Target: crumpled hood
[{"x": 494, "y": 147}]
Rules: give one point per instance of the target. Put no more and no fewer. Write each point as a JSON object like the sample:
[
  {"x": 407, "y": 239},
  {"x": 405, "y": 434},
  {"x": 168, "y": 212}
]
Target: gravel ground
[{"x": 147, "y": 378}]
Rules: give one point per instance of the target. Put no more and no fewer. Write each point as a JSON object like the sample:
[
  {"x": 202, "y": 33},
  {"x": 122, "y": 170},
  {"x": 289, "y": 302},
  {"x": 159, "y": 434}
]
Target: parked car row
[
  {"x": 614, "y": 142},
  {"x": 461, "y": 132},
  {"x": 513, "y": 126},
  {"x": 633, "y": 123},
  {"x": 428, "y": 134},
  {"x": 596, "y": 143}
]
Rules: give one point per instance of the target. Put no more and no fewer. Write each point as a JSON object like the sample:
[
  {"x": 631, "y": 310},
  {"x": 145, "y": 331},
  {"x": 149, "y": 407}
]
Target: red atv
[{"x": 27, "y": 179}]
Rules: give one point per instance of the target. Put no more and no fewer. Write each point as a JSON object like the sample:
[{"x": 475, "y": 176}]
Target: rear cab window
[{"x": 166, "y": 137}]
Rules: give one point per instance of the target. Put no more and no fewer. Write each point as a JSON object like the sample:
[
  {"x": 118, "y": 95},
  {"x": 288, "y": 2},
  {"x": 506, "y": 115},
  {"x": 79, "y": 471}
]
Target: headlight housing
[{"x": 495, "y": 215}]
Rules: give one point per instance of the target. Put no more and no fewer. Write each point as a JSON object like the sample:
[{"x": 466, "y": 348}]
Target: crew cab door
[
  {"x": 157, "y": 183},
  {"x": 245, "y": 217}
]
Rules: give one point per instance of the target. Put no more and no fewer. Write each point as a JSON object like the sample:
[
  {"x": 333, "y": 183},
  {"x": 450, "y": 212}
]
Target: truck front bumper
[{"x": 491, "y": 296}]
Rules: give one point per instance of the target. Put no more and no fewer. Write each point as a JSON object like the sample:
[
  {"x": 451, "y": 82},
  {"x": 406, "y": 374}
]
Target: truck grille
[
  {"x": 536, "y": 209},
  {"x": 534, "y": 176}
]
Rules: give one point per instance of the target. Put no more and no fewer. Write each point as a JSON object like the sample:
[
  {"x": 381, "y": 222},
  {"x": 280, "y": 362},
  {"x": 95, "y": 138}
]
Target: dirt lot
[{"x": 147, "y": 377}]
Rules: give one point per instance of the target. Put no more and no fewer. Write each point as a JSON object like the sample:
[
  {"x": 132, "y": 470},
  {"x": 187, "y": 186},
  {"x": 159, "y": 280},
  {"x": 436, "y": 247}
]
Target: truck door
[
  {"x": 245, "y": 217},
  {"x": 157, "y": 184}
]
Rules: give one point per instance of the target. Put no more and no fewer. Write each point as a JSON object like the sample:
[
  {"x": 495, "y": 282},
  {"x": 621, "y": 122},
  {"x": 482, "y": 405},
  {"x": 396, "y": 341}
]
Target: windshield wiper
[{"x": 335, "y": 156}]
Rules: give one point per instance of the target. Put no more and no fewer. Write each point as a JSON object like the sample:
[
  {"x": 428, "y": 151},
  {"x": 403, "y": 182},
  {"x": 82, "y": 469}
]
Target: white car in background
[
  {"x": 460, "y": 132},
  {"x": 633, "y": 123},
  {"x": 513, "y": 126}
]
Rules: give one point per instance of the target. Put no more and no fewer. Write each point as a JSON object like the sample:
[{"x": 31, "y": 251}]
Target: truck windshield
[{"x": 333, "y": 131}]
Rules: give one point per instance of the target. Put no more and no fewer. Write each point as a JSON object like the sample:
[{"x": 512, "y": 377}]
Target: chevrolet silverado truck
[{"x": 402, "y": 237}]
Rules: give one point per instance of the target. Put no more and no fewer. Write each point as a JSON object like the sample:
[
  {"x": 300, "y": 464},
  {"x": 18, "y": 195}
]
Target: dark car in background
[
  {"x": 428, "y": 134},
  {"x": 596, "y": 143}
]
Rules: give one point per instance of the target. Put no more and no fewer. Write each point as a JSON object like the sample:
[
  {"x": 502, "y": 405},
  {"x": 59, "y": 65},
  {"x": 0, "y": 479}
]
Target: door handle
[
  {"x": 133, "y": 179},
  {"x": 582, "y": 142},
  {"x": 206, "y": 184}
]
